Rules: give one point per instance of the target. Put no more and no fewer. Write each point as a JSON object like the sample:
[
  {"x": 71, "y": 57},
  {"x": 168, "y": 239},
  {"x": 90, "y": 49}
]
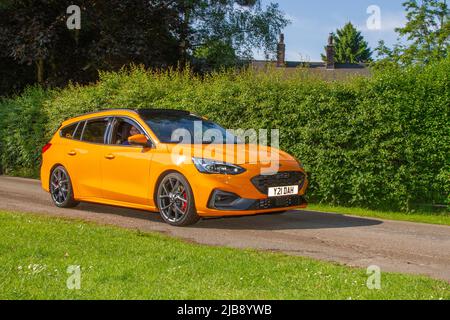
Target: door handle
[
  {"x": 72, "y": 153},
  {"x": 110, "y": 156}
]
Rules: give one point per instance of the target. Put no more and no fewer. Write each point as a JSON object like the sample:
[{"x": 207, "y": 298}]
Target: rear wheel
[
  {"x": 176, "y": 201},
  {"x": 61, "y": 188}
]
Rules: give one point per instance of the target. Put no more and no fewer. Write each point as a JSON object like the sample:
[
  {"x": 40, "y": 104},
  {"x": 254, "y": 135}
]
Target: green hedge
[
  {"x": 381, "y": 142},
  {"x": 22, "y": 132}
]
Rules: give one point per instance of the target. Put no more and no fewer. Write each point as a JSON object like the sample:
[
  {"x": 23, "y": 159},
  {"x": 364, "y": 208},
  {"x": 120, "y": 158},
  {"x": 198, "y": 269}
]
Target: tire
[
  {"x": 175, "y": 201},
  {"x": 60, "y": 187}
]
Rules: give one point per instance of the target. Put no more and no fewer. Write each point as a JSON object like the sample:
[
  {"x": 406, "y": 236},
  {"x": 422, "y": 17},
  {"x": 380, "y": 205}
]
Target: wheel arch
[{"x": 53, "y": 168}]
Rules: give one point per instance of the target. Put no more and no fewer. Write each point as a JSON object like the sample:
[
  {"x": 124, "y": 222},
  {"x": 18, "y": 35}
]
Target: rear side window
[
  {"x": 67, "y": 132},
  {"x": 94, "y": 131},
  {"x": 78, "y": 131}
]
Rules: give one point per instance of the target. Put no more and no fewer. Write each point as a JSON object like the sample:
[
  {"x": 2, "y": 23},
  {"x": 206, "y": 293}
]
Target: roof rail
[
  {"x": 103, "y": 110},
  {"x": 140, "y": 112},
  {"x": 162, "y": 111}
]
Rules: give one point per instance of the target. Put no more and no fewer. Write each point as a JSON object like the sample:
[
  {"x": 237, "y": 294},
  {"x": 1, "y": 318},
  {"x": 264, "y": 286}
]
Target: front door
[{"x": 126, "y": 168}]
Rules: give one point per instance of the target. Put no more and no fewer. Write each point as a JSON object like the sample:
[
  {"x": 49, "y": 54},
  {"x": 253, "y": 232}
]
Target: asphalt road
[{"x": 391, "y": 245}]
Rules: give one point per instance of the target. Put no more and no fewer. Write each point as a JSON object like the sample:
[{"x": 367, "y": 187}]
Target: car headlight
[{"x": 216, "y": 167}]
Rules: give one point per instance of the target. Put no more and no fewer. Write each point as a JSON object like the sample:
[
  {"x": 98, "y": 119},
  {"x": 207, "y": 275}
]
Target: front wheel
[
  {"x": 61, "y": 188},
  {"x": 176, "y": 201}
]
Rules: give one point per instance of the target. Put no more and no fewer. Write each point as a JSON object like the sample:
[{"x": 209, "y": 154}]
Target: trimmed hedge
[
  {"x": 22, "y": 132},
  {"x": 379, "y": 142}
]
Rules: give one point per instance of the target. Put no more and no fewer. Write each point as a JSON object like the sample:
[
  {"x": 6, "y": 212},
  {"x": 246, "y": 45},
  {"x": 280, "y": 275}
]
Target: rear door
[
  {"x": 126, "y": 168},
  {"x": 84, "y": 154}
]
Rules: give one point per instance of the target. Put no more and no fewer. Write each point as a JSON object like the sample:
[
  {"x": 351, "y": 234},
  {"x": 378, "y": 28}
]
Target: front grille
[
  {"x": 281, "y": 202},
  {"x": 281, "y": 179}
]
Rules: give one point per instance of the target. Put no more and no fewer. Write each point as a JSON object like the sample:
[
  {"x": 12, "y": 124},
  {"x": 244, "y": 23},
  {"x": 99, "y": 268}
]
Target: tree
[
  {"x": 138, "y": 31},
  {"x": 427, "y": 34},
  {"x": 350, "y": 46},
  {"x": 33, "y": 31},
  {"x": 13, "y": 77},
  {"x": 427, "y": 29},
  {"x": 113, "y": 33},
  {"x": 239, "y": 25},
  {"x": 215, "y": 55}
]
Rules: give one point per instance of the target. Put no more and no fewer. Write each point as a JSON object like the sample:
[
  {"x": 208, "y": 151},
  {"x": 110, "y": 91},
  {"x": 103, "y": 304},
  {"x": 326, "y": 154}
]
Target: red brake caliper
[{"x": 183, "y": 207}]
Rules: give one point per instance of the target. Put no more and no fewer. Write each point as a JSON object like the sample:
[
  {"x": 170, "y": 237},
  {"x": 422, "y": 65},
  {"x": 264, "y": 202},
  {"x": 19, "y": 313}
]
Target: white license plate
[{"x": 283, "y": 191}]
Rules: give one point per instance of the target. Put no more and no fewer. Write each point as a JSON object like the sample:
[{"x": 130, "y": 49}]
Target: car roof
[{"x": 124, "y": 112}]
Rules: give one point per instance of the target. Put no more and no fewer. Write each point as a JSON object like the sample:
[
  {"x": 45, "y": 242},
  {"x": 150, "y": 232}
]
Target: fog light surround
[
  {"x": 224, "y": 199},
  {"x": 228, "y": 201}
]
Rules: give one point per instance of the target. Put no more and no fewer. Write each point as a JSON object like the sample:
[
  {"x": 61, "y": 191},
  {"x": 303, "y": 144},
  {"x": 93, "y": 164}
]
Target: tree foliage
[
  {"x": 113, "y": 33},
  {"x": 34, "y": 37},
  {"x": 215, "y": 55},
  {"x": 350, "y": 46},
  {"x": 426, "y": 34},
  {"x": 237, "y": 26}
]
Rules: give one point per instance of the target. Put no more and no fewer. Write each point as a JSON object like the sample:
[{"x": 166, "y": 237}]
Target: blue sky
[{"x": 313, "y": 20}]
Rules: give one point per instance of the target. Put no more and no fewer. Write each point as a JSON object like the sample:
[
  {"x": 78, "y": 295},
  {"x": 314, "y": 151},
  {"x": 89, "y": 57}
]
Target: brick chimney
[
  {"x": 281, "y": 52},
  {"x": 330, "y": 53}
]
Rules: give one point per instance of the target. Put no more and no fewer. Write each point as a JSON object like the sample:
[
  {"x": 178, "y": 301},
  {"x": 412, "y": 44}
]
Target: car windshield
[{"x": 187, "y": 129}]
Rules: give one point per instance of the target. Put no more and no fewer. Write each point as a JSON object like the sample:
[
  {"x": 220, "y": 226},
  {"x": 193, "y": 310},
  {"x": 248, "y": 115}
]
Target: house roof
[{"x": 341, "y": 71}]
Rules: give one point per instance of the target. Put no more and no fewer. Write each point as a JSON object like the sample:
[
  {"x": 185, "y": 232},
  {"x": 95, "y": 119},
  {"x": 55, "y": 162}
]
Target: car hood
[{"x": 236, "y": 154}]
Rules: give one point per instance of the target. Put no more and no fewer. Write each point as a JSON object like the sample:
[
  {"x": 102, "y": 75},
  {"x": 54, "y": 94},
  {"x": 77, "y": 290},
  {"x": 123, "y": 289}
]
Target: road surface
[{"x": 392, "y": 245}]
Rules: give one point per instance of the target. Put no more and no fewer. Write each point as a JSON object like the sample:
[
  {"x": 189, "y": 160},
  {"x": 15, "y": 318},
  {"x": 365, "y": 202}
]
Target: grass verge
[
  {"x": 422, "y": 216},
  {"x": 35, "y": 253}
]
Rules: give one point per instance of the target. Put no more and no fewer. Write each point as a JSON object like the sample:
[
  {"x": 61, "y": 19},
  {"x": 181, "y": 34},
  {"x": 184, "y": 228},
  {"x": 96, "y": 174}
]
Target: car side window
[
  {"x": 122, "y": 129},
  {"x": 67, "y": 132},
  {"x": 94, "y": 130},
  {"x": 79, "y": 130}
]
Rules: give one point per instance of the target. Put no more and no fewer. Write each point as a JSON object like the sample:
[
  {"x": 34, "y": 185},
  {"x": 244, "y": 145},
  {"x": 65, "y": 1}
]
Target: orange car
[{"x": 156, "y": 160}]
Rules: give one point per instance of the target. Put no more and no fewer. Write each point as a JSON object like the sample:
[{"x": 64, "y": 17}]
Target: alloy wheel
[
  {"x": 173, "y": 199},
  {"x": 59, "y": 186}
]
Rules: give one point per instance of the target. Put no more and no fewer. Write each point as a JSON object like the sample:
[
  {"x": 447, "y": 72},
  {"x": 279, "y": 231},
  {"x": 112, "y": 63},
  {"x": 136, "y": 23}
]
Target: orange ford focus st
[{"x": 154, "y": 159}]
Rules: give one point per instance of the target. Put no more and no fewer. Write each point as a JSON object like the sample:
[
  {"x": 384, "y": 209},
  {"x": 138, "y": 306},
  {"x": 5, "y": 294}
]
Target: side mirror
[{"x": 139, "y": 140}]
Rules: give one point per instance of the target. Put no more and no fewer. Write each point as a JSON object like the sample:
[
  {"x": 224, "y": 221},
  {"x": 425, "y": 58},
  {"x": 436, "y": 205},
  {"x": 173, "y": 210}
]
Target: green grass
[
  {"x": 125, "y": 264},
  {"x": 420, "y": 216}
]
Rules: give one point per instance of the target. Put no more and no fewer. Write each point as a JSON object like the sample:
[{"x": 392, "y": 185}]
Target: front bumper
[
  {"x": 249, "y": 190},
  {"x": 225, "y": 201}
]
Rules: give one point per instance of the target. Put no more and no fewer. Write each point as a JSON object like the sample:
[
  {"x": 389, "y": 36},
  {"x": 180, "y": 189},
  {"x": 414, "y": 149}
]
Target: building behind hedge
[{"x": 328, "y": 70}]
